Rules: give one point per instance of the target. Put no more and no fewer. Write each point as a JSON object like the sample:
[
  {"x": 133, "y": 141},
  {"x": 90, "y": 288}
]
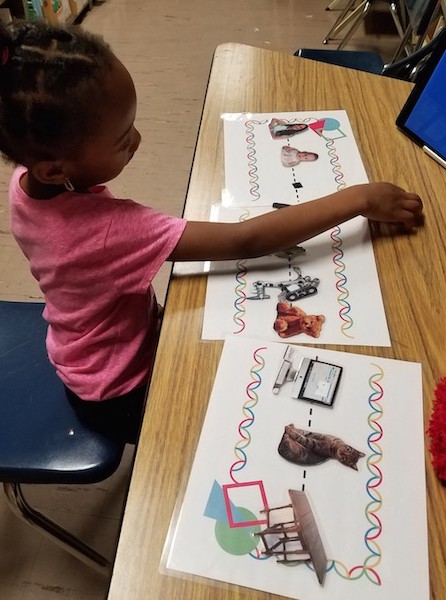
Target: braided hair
[{"x": 51, "y": 89}]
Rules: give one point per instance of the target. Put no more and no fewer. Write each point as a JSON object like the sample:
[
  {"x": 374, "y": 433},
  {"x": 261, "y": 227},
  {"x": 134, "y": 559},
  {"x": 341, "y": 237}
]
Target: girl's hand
[{"x": 389, "y": 203}]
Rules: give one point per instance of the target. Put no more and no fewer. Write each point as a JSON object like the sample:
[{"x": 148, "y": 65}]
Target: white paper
[
  {"x": 348, "y": 294},
  {"x": 372, "y": 521},
  {"x": 348, "y": 297},
  {"x": 254, "y": 174}
]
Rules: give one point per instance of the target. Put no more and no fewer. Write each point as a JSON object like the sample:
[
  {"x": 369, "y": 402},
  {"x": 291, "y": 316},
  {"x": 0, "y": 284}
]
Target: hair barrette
[{"x": 5, "y": 56}]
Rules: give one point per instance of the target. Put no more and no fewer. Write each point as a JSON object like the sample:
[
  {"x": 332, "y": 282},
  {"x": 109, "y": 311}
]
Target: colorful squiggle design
[
  {"x": 369, "y": 566},
  {"x": 336, "y": 167},
  {"x": 249, "y": 417},
  {"x": 344, "y": 312},
  {"x": 340, "y": 267},
  {"x": 371, "y": 562},
  {"x": 240, "y": 296},
  {"x": 341, "y": 280},
  {"x": 252, "y": 159},
  {"x": 240, "y": 286}
]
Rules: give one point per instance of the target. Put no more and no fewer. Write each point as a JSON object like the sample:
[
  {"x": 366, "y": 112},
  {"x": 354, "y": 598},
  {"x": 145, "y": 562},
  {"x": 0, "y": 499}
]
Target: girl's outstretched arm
[{"x": 284, "y": 228}]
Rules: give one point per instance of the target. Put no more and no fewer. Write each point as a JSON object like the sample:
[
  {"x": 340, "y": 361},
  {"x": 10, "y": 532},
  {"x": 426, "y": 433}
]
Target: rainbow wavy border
[
  {"x": 372, "y": 561},
  {"x": 249, "y": 417},
  {"x": 336, "y": 247},
  {"x": 341, "y": 280},
  {"x": 240, "y": 296},
  {"x": 334, "y": 161},
  {"x": 338, "y": 254},
  {"x": 369, "y": 566},
  {"x": 251, "y": 156}
]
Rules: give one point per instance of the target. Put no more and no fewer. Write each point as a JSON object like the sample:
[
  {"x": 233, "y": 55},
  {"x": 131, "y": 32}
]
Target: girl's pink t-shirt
[{"x": 95, "y": 257}]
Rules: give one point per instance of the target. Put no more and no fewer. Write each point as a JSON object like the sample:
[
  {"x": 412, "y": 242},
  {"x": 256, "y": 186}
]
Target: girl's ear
[{"x": 50, "y": 172}]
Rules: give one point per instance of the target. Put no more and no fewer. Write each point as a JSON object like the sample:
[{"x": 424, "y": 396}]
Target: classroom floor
[{"x": 167, "y": 46}]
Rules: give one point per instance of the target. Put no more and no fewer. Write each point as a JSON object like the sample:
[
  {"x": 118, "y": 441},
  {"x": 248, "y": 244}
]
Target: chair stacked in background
[{"x": 407, "y": 69}]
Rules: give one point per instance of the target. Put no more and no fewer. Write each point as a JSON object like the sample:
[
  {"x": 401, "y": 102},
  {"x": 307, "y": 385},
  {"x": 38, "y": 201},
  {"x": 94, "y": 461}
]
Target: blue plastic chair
[
  {"x": 352, "y": 59},
  {"x": 41, "y": 439},
  {"x": 407, "y": 69}
]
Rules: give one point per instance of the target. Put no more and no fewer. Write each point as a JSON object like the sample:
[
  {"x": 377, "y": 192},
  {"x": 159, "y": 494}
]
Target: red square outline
[{"x": 231, "y": 521}]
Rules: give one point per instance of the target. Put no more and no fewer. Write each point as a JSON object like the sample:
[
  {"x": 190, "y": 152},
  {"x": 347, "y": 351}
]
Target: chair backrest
[
  {"x": 410, "y": 67},
  {"x": 407, "y": 69},
  {"x": 371, "y": 62},
  {"x": 420, "y": 13},
  {"x": 41, "y": 437}
]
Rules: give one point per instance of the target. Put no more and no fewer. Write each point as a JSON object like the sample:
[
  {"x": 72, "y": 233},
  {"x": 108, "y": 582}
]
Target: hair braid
[{"x": 50, "y": 89}]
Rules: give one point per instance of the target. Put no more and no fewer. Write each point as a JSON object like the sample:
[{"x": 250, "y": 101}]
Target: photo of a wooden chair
[
  {"x": 291, "y": 534},
  {"x": 282, "y": 538}
]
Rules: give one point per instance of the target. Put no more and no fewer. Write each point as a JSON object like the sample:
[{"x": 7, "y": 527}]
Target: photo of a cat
[{"x": 307, "y": 448}]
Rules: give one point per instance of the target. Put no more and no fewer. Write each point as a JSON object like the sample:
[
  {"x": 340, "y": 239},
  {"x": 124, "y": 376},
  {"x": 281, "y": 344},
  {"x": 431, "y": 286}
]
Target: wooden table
[{"x": 412, "y": 271}]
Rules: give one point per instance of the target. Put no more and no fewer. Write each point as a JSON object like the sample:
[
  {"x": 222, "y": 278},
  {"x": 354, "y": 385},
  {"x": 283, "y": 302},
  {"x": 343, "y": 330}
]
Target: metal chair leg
[
  {"x": 336, "y": 5},
  {"x": 357, "y": 16},
  {"x": 342, "y": 20},
  {"x": 365, "y": 10},
  {"x": 396, "y": 16},
  {"x": 63, "y": 538},
  {"x": 403, "y": 45}
]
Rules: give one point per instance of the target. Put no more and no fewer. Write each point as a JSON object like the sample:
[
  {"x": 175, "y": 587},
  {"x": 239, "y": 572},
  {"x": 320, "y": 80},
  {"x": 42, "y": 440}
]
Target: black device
[
  {"x": 316, "y": 381},
  {"x": 313, "y": 380},
  {"x": 423, "y": 116}
]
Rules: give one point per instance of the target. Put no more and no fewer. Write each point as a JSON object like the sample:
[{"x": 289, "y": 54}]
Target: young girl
[
  {"x": 291, "y": 157},
  {"x": 67, "y": 112},
  {"x": 279, "y": 128}
]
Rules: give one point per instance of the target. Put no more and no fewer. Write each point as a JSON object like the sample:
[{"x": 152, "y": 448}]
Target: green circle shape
[{"x": 238, "y": 540}]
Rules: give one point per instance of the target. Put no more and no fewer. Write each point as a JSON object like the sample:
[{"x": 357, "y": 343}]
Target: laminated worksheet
[
  {"x": 288, "y": 157},
  {"x": 325, "y": 291},
  {"x": 308, "y": 480}
]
